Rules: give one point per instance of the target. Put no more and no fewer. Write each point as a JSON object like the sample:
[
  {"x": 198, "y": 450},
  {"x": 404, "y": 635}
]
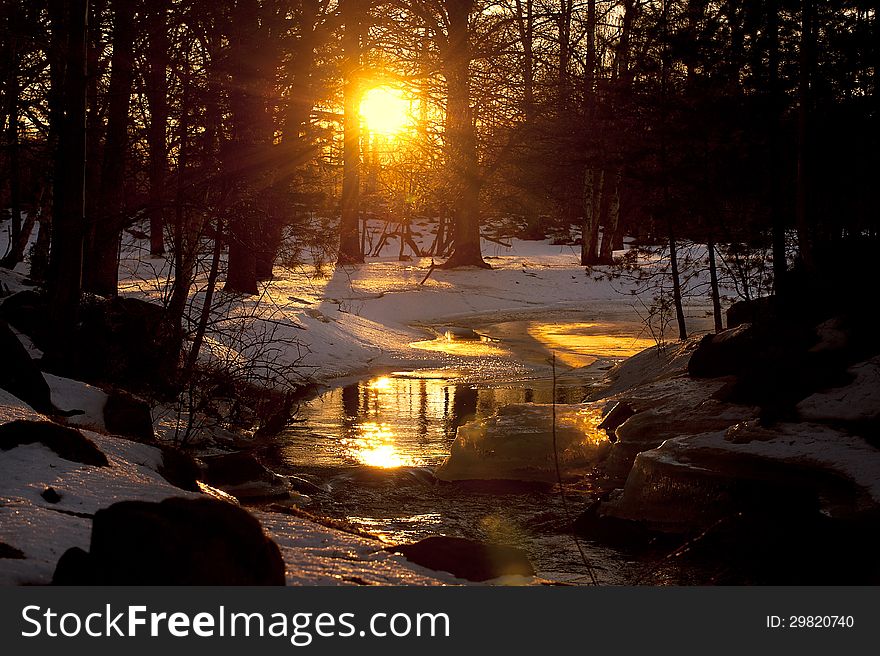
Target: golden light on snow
[
  {"x": 385, "y": 111},
  {"x": 375, "y": 447}
]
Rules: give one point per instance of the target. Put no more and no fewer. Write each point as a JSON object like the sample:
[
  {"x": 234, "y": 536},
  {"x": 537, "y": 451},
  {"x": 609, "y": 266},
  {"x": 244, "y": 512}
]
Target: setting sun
[{"x": 385, "y": 111}]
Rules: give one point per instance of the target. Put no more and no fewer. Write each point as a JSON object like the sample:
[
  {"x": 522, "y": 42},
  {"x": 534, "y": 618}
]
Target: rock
[
  {"x": 10, "y": 552},
  {"x": 773, "y": 364},
  {"x": 759, "y": 310},
  {"x": 667, "y": 409},
  {"x": 856, "y": 402},
  {"x": 175, "y": 542},
  {"x": 29, "y": 313},
  {"x": 723, "y": 354},
  {"x": 690, "y": 482},
  {"x": 619, "y": 413},
  {"x": 19, "y": 375},
  {"x": 180, "y": 469},
  {"x": 466, "y": 559},
  {"x": 136, "y": 341},
  {"x": 50, "y": 495},
  {"x": 128, "y": 415},
  {"x": 68, "y": 443},
  {"x": 242, "y": 476}
]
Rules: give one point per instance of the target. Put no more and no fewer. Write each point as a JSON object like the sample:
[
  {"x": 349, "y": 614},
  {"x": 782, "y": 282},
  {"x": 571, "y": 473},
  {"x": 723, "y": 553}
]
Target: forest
[{"x": 214, "y": 212}]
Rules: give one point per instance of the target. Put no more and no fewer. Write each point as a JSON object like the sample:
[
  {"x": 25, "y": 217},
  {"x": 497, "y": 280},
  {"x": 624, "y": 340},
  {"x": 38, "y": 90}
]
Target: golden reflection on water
[
  {"x": 481, "y": 348},
  {"x": 381, "y": 383},
  {"x": 582, "y": 343},
  {"x": 375, "y": 447}
]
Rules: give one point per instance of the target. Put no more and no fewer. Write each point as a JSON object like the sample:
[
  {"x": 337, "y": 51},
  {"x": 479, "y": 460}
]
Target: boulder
[
  {"x": 620, "y": 411},
  {"x": 180, "y": 469},
  {"x": 126, "y": 340},
  {"x": 759, "y": 310},
  {"x": 68, "y": 443},
  {"x": 242, "y": 476},
  {"x": 10, "y": 552},
  {"x": 175, "y": 542},
  {"x": 466, "y": 559},
  {"x": 50, "y": 495},
  {"x": 29, "y": 313},
  {"x": 19, "y": 375},
  {"x": 128, "y": 415},
  {"x": 666, "y": 409},
  {"x": 775, "y": 364}
]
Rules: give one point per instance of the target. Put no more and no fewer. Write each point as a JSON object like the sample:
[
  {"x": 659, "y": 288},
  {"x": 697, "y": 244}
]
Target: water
[{"x": 372, "y": 446}]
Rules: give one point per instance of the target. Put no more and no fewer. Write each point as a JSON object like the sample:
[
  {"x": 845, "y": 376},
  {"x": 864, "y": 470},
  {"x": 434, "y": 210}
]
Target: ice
[{"x": 516, "y": 443}]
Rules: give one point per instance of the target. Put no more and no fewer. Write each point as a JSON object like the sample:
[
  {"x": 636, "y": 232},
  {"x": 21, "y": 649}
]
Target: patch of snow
[{"x": 70, "y": 394}]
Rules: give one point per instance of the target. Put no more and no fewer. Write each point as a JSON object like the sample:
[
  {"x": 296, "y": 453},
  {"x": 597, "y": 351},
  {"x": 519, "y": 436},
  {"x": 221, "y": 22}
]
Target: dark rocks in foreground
[
  {"x": 20, "y": 375},
  {"x": 466, "y": 559},
  {"x": 10, "y": 552},
  {"x": 68, "y": 443},
  {"x": 128, "y": 415},
  {"x": 175, "y": 542},
  {"x": 242, "y": 476},
  {"x": 120, "y": 341}
]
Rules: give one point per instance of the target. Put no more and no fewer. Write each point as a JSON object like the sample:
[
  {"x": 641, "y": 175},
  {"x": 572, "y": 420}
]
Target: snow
[
  {"x": 341, "y": 321},
  {"x": 796, "y": 444},
  {"x": 73, "y": 395},
  {"x": 857, "y": 401},
  {"x": 43, "y": 531}
]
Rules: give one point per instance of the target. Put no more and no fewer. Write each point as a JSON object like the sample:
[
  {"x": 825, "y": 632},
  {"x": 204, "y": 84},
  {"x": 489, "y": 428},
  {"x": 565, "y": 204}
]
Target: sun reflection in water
[
  {"x": 382, "y": 383},
  {"x": 375, "y": 447}
]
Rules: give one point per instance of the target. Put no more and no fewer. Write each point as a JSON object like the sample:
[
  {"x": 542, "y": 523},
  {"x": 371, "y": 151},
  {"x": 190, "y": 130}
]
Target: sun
[{"x": 385, "y": 111}]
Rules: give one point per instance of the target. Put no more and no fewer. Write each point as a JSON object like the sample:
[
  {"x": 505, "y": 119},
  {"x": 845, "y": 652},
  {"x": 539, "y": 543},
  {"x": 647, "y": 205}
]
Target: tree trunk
[
  {"x": 803, "y": 212},
  {"x": 102, "y": 262},
  {"x": 713, "y": 283},
  {"x": 13, "y": 93},
  {"x": 780, "y": 264},
  {"x": 593, "y": 183},
  {"x": 611, "y": 225},
  {"x": 243, "y": 158},
  {"x": 462, "y": 140},
  {"x": 349, "y": 239},
  {"x": 70, "y": 21},
  {"x": 157, "y": 100},
  {"x": 184, "y": 246},
  {"x": 676, "y": 286}
]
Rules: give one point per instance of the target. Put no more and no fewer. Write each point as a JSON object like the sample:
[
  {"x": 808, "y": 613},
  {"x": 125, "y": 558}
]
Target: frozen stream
[{"x": 373, "y": 445}]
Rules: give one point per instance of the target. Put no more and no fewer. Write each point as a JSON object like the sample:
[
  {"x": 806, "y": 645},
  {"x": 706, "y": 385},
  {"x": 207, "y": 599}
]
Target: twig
[{"x": 577, "y": 542}]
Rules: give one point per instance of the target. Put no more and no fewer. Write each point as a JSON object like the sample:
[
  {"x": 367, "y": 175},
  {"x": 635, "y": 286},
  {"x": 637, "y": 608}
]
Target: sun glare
[{"x": 385, "y": 111}]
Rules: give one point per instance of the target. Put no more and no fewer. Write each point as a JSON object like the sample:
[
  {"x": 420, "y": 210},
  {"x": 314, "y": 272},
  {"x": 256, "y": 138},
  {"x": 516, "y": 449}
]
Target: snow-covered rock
[
  {"x": 855, "y": 402},
  {"x": 690, "y": 481}
]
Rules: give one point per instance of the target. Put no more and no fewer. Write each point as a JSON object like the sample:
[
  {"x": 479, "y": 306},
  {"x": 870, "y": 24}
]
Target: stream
[{"x": 372, "y": 447}]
